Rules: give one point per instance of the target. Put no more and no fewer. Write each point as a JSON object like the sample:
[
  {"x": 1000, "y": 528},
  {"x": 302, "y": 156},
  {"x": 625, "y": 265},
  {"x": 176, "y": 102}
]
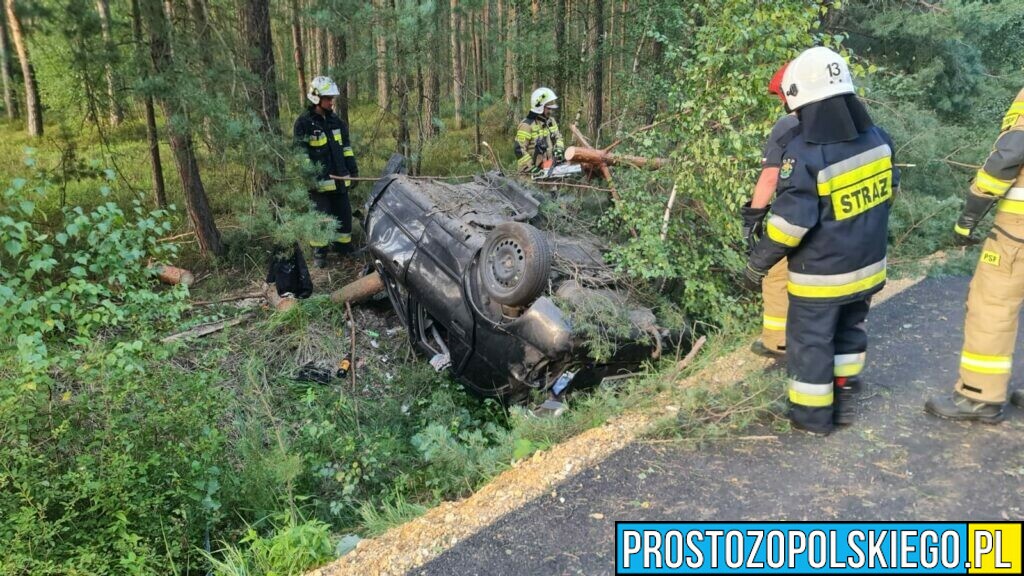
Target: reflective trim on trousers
[
  {"x": 326, "y": 186},
  {"x": 774, "y": 322},
  {"x": 986, "y": 364},
  {"x": 1011, "y": 206},
  {"x": 811, "y": 395},
  {"x": 846, "y": 365}
]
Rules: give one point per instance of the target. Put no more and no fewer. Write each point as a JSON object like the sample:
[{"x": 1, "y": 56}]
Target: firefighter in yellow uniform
[
  {"x": 997, "y": 289},
  {"x": 538, "y": 142},
  {"x": 773, "y": 291},
  {"x": 830, "y": 217}
]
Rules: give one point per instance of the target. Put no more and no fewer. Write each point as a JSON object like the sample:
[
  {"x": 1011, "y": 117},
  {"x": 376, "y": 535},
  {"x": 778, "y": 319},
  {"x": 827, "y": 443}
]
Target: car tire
[{"x": 516, "y": 263}]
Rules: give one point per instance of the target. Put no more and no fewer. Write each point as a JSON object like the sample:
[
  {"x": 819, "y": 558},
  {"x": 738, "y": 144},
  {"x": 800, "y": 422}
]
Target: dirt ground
[{"x": 548, "y": 478}]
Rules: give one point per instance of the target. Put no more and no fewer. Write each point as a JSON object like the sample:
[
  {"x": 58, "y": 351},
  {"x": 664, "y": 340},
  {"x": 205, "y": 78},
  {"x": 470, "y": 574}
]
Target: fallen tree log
[
  {"x": 582, "y": 155},
  {"x": 173, "y": 275},
  {"x": 280, "y": 304},
  {"x": 359, "y": 290}
]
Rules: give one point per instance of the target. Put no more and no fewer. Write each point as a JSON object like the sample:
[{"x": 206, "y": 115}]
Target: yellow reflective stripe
[
  {"x": 846, "y": 365},
  {"x": 813, "y": 395},
  {"x": 809, "y": 291},
  {"x": 809, "y": 399},
  {"x": 326, "y": 185},
  {"x": 961, "y": 230},
  {"x": 522, "y": 135},
  {"x": 986, "y": 364},
  {"x": 854, "y": 176},
  {"x": 988, "y": 183},
  {"x": 781, "y": 237},
  {"x": 1016, "y": 108},
  {"x": 774, "y": 322},
  {"x": 1010, "y": 206},
  {"x": 343, "y": 238},
  {"x": 317, "y": 244},
  {"x": 348, "y": 152}
]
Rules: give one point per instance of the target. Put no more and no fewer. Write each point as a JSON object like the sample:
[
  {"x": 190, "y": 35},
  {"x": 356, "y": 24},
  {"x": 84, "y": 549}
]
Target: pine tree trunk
[
  {"x": 260, "y": 44},
  {"x": 196, "y": 202},
  {"x": 597, "y": 70},
  {"x": 32, "y": 106},
  {"x": 116, "y": 114},
  {"x": 10, "y": 100},
  {"x": 457, "y": 79},
  {"x": 381, "y": 45},
  {"x": 298, "y": 60},
  {"x": 477, "y": 69},
  {"x": 156, "y": 166},
  {"x": 339, "y": 55},
  {"x": 485, "y": 38},
  {"x": 560, "y": 80},
  {"x": 511, "y": 77}
]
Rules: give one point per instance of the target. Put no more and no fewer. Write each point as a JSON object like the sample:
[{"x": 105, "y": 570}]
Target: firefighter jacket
[
  {"x": 1002, "y": 175},
  {"x": 537, "y": 140},
  {"x": 326, "y": 142},
  {"x": 831, "y": 217}
]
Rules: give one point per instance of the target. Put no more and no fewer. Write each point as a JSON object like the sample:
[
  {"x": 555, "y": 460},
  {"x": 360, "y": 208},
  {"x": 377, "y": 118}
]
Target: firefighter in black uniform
[
  {"x": 831, "y": 218},
  {"x": 324, "y": 137}
]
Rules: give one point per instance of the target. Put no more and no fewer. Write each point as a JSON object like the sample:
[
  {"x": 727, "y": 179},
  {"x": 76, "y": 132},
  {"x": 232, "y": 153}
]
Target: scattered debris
[{"x": 206, "y": 329}]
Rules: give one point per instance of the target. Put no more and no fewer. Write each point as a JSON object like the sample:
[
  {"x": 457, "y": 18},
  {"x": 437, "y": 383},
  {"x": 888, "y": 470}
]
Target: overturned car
[{"x": 487, "y": 289}]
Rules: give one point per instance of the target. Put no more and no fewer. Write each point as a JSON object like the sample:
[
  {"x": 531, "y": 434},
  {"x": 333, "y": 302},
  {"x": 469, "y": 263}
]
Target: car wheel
[{"x": 516, "y": 263}]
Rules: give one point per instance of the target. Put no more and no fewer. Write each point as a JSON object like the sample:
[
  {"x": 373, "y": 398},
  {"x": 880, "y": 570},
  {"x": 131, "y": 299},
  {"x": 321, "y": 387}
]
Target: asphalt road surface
[{"x": 895, "y": 463}]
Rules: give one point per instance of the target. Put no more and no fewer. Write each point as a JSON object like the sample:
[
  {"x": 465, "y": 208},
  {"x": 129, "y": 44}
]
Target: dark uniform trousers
[
  {"x": 824, "y": 341},
  {"x": 335, "y": 204}
]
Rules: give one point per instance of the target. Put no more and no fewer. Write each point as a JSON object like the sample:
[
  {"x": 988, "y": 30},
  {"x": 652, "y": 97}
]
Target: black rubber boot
[
  {"x": 1017, "y": 398},
  {"x": 956, "y": 407},
  {"x": 760, "y": 349},
  {"x": 320, "y": 257},
  {"x": 797, "y": 425},
  {"x": 342, "y": 248},
  {"x": 842, "y": 406}
]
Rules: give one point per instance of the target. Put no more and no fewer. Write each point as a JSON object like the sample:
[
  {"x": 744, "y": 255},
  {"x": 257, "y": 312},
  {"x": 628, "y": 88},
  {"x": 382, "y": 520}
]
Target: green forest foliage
[{"x": 123, "y": 454}]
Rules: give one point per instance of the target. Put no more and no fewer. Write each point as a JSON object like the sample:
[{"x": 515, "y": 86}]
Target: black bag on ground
[{"x": 288, "y": 272}]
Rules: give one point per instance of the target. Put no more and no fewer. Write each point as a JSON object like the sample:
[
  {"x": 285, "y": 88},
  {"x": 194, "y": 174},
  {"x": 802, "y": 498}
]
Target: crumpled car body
[{"x": 426, "y": 238}]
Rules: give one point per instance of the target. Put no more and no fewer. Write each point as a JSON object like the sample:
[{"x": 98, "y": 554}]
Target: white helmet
[
  {"x": 321, "y": 86},
  {"x": 542, "y": 98},
  {"x": 816, "y": 74}
]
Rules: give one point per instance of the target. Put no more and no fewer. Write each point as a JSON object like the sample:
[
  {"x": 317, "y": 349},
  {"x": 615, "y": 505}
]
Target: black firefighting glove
[
  {"x": 752, "y": 278},
  {"x": 975, "y": 208},
  {"x": 540, "y": 148},
  {"x": 753, "y": 225},
  {"x": 559, "y": 154}
]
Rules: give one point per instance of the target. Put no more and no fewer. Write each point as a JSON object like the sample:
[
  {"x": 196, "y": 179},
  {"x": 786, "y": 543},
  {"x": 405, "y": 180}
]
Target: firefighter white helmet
[
  {"x": 321, "y": 86},
  {"x": 816, "y": 74},
  {"x": 542, "y": 98}
]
